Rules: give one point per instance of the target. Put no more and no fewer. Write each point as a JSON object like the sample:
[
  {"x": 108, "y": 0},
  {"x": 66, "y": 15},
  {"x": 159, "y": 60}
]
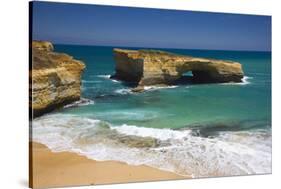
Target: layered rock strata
[
  {"x": 151, "y": 67},
  {"x": 55, "y": 78}
]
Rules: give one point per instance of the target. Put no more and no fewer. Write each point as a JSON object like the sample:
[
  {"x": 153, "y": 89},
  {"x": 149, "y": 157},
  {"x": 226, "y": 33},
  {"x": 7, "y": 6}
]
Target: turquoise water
[
  {"x": 176, "y": 107},
  {"x": 231, "y": 121}
]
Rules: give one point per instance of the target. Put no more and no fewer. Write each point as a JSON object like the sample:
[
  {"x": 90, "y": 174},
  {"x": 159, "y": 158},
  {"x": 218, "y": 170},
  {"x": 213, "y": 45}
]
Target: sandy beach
[{"x": 69, "y": 169}]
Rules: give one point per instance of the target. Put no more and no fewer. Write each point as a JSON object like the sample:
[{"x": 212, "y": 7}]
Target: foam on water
[
  {"x": 123, "y": 91},
  {"x": 149, "y": 88},
  {"x": 81, "y": 102},
  {"x": 146, "y": 88},
  {"x": 245, "y": 81},
  {"x": 104, "y": 76},
  {"x": 108, "y": 77},
  {"x": 161, "y": 134},
  {"x": 115, "y": 81},
  {"x": 229, "y": 153}
]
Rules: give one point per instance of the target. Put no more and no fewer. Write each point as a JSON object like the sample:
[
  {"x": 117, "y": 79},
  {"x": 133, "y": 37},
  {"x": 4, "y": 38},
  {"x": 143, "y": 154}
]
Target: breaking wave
[
  {"x": 179, "y": 151},
  {"x": 245, "y": 81}
]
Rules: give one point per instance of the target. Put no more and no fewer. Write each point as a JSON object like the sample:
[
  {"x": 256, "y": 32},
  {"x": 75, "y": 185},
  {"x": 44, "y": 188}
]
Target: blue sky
[{"x": 138, "y": 27}]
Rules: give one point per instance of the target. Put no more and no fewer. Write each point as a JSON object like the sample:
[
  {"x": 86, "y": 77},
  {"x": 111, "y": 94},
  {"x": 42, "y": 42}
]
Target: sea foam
[
  {"x": 104, "y": 76},
  {"x": 123, "y": 91},
  {"x": 81, "y": 102},
  {"x": 148, "y": 88},
  {"x": 108, "y": 77},
  {"x": 229, "y": 153},
  {"x": 245, "y": 81}
]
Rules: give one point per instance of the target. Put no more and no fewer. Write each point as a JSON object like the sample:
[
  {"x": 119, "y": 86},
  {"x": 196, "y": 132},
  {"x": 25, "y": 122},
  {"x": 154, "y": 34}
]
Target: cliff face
[
  {"x": 150, "y": 67},
  {"x": 56, "y": 78}
]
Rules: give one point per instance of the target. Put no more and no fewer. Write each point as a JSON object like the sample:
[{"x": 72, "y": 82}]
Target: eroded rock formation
[
  {"x": 150, "y": 67},
  {"x": 55, "y": 77}
]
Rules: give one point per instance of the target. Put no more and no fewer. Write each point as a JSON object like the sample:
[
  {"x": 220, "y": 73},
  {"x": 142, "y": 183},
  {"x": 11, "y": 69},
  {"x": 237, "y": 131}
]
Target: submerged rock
[
  {"x": 151, "y": 67},
  {"x": 138, "y": 142},
  {"x": 55, "y": 77}
]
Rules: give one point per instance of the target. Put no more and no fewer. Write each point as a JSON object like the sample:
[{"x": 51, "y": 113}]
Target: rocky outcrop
[
  {"x": 55, "y": 77},
  {"x": 42, "y": 45},
  {"x": 151, "y": 67}
]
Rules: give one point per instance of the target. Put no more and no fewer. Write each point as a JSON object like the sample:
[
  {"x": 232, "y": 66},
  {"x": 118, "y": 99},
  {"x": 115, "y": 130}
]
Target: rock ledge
[
  {"x": 153, "y": 67},
  {"x": 55, "y": 77}
]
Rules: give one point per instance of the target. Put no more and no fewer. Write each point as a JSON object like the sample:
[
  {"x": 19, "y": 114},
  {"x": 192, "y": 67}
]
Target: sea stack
[
  {"x": 55, "y": 77},
  {"x": 153, "y": 67}
]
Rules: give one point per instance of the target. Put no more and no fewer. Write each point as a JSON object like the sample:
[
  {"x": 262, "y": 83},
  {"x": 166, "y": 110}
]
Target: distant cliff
[
  {"x": 151, "y": 67},
  {"x": 55, "y": 77}
]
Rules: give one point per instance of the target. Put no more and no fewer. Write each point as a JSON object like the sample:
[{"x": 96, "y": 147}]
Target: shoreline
[{"x": 56, "y": 169}]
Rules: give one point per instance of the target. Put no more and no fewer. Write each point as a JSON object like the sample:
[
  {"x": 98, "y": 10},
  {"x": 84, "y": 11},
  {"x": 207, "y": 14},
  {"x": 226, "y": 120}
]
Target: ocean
[{"x": 190, "y": 129}]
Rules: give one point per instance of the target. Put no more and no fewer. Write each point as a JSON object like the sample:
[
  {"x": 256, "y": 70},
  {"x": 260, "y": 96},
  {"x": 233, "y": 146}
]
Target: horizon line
[{"x": 158, "y": 47}]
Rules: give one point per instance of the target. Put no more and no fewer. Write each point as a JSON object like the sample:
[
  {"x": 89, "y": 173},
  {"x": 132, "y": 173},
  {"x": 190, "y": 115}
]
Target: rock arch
[{"x": 151, "y": 67}]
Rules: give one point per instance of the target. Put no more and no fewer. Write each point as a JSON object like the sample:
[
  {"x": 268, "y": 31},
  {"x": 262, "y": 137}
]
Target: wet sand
[{"x": 70, "y": 169}]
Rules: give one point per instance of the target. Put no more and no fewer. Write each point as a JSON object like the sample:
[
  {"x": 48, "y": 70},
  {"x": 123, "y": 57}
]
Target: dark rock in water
[
  {"x": 213, "y": 129},
  {"x": 113, "y": 77},
  {"x": 138, "y": 142},
  {"x": 103, "y": 132},
  {"x": 150, "y": 67},
  {"x": 55, "y": 79}
]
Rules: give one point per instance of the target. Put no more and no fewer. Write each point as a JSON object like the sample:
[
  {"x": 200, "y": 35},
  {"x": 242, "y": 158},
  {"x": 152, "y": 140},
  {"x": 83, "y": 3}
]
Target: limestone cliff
[
  {"x": 42, "y": 45},
  {"x": 55, "y": 77},
  {"x": 150, "y": 67}
]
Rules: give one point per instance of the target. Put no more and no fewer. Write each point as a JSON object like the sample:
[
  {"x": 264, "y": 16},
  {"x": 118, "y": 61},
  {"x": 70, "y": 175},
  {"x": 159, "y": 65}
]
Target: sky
[{"x": 81, "y": 24}]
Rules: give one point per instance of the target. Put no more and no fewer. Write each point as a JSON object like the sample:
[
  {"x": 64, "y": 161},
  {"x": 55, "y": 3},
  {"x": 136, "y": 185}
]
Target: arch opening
[
  {"x": 185, "y": 78},
  {"x": 194, "y": 77}
]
